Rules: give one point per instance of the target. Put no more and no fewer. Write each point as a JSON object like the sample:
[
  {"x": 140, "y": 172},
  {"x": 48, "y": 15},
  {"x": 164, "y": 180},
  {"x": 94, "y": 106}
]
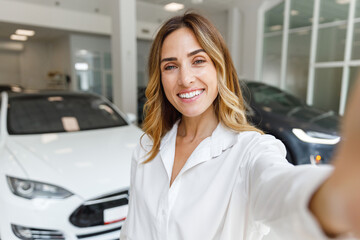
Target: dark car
[{"x": 310, "y": 135}]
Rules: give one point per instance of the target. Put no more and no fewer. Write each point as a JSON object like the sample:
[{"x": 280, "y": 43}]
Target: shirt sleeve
[{"x": 280, "y": 192}]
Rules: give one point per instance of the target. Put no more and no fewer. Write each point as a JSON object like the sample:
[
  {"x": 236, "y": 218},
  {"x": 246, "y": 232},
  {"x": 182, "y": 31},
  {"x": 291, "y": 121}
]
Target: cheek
[
  {"x": 167, "y": 86},
  {"x": 212, "y": 82}
]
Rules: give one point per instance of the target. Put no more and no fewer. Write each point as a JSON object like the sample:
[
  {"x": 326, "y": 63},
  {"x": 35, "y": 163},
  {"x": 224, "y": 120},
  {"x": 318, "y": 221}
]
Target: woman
[{"x": 201, "y": 170}]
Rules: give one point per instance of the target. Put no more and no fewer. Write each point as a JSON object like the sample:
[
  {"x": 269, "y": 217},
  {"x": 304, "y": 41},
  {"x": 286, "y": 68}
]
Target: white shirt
[{"x": 233, "y": 186}]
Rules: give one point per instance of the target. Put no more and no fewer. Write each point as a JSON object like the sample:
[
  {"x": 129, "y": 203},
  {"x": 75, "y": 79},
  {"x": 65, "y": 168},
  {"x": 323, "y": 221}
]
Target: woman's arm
[
  {"x": 279, "y": 193},
  {"x": 336, "y": 204}
]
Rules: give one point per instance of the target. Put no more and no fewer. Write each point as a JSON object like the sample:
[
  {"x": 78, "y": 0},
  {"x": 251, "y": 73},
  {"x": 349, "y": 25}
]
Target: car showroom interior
[{"x": 73, "y": 80}]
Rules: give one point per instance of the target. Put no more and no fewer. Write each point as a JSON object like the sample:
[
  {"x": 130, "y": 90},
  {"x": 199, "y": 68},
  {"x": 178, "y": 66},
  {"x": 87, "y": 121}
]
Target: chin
[{"x": 191, "y": 113}]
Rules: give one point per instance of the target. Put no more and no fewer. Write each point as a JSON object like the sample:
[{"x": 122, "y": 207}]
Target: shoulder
[
  {"x": 255, "y": 143},
  {"x": 142, "y": 148}
]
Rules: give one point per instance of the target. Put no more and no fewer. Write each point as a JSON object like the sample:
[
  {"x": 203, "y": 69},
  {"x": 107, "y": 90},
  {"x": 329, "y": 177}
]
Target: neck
[{"x": 199, "y": 127}]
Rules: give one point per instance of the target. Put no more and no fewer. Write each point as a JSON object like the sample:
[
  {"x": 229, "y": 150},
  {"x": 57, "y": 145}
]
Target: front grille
[
  {"x": 99, "y": 233},
  {"x": 36, "y": 233},
  {"x": 91, "y": 213}
]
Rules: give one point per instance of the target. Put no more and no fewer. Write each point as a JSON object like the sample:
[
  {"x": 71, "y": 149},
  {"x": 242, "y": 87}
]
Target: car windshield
[
  {"x": 60, "y": 113},
  {"x": 273, "y": 97}
]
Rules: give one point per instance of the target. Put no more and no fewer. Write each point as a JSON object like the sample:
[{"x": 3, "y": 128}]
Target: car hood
[
  {"x": 306, "y": 118},
  {"x": 87, "y": 163}
]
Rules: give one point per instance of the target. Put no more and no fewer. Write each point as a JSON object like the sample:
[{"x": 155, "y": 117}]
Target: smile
[{"x": 190, "y": 94}]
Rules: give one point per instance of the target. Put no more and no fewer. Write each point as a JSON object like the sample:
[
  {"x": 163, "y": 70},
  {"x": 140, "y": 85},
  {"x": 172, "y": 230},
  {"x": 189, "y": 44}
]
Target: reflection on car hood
[
  {"x": 307, "y": 118},
  {"x": 87, "y": 163}
]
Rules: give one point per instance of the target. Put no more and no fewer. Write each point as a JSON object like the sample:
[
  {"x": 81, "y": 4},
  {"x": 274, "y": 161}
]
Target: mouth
[{"x": 190, "y": 95}]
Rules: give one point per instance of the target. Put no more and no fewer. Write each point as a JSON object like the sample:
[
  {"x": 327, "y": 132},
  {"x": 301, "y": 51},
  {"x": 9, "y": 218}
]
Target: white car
[{"x": 64, "y": 166}]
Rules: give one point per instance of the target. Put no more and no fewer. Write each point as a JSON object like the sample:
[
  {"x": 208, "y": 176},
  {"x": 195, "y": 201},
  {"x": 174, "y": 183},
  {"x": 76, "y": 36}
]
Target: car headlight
[
  {"x": 31, "y": 189},
  {"x": 315, "y": 137}
]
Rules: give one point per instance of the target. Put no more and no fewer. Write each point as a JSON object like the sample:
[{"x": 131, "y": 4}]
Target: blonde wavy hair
[{"x": 160, "y": 115}]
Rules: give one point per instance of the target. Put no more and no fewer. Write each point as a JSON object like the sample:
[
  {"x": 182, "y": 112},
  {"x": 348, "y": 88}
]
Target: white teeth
[{"x": 190, "y": 94}]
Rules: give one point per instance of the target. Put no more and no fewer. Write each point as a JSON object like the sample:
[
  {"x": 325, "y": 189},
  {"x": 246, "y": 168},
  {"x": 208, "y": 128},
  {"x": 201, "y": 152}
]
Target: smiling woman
[
  {"x": 201, "y": 171},
  {"x": 201, "y": 49}
]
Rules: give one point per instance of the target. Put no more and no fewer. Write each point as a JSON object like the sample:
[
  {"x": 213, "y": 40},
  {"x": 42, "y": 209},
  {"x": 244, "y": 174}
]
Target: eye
[
  {"x": 199, "y": 61},
  {"x": 169, "y": 67}
]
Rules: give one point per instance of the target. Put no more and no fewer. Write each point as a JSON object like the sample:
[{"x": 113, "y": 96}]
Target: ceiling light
[
  {"x": 83, "y": 52},
  {"x": 342, "y": 1},
  {"x": 276, "y": 28},
  {"x": 173, "y": 7},
  {"x": 294, "y": 12},
  {"x": 18, "y": 37},
  {"x": 24, "y": 32},
  {"x": 197, "y": 1},
  {"x": 81, "y": 66}
]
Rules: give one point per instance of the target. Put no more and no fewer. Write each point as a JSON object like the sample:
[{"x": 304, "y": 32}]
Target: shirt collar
[{"x": 221, "y": 139}]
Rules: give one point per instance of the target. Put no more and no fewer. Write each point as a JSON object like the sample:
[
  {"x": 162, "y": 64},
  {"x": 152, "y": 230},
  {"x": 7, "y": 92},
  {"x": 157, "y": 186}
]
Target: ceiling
[
  {"x": 103, "y": 7},
  {"x": 208, "y": 5},
  {"x": 41, "y": 34}
]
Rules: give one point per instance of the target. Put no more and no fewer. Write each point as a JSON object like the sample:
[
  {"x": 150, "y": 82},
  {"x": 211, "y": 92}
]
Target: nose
[{"x": 186, "y": 76}]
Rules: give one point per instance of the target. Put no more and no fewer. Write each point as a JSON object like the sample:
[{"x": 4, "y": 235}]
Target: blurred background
[
  {"x": 302, "y": 47},
  {"x": 298, "y": 58}
]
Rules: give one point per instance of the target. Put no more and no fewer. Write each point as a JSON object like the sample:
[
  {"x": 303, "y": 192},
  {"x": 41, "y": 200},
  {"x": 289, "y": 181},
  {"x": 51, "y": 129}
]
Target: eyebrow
[
  {"x": 195, "y": 52},
  {"x": 189, "y": 55}
]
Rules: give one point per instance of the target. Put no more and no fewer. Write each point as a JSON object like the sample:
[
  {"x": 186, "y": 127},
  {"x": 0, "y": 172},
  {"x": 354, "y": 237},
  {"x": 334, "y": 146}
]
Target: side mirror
[{"x": 131, "y": 117}]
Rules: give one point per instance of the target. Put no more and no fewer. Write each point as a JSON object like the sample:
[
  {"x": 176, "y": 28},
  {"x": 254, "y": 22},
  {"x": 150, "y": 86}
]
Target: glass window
[
  {"x": 333, "y": 10},
  {"x": 107, "y": 61},
  {"x": 272, "y": 60},
  {"x": 143, "y": 51},
  {"x": 357, "y": 10},
  {"x": 331, "y": 43},
  {"x": 89, "y": 81},
  {"x": 272, "y": 47},
  {"x": 327, "y": 88},
  {"x": 274, "y": 18},
  {"x": 298, "y": 63},
  {"x": 35, "y": 114},
  {"x": 353, "y": 77},
  {"x": 96, "y": 61},
  {"x": 92, "y": 59},
  {"x": 95, "y": 82},
  {"x": 109, "y": 91},
  {"x": 355, "y": 53},
  {"x": 330, "y": 47},
  {"x": 301, "y": 13}
]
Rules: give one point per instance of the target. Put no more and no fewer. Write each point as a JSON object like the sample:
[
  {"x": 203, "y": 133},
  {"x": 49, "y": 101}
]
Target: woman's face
[{"x": 187, "y": 73}]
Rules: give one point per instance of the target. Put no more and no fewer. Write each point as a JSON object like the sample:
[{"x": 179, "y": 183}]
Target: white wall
[
  {"x": 220, "y": 20},
  {"x": 34, "y": 65},
  {"x": 30, "y": 67},
  {"x": 52, "y": 17},
  {"x": 9, "y": 67},
  {"x": 249, "y": 11},
  {"x": 59, "y": 51}
]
